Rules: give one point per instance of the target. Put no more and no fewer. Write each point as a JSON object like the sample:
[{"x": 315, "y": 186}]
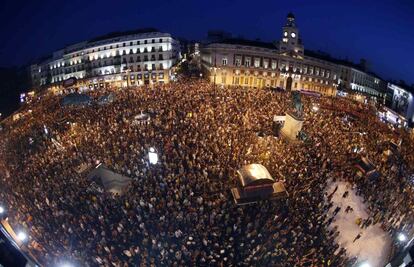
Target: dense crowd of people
[{"x": 180, "y": 212}]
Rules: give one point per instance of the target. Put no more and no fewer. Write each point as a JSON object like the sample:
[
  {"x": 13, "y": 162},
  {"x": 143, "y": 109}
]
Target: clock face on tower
[
  {"x": 285, "y": 34},
  {"x": 293, "y": 35}
]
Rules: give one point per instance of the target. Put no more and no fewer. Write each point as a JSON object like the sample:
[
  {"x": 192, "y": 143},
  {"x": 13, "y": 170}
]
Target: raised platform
[{"x": 291, "y": 128}]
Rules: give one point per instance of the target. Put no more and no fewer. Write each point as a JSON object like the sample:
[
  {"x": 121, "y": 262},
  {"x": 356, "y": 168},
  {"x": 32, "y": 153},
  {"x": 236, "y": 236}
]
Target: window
[
  {"x": 160, "y": 57},
  {"x": 152, "y": 49},
  {"x": 160, "y": 40},
  {"x": 247, "y": 62},
  {"x": 145, "y": 50},
  {"x": 138, "y": 59},
  {"x": 265, "y": 64},
  {"x": 153, "y": 65},
  {"x": 238, "y": 62},
  {"x": 130, "y": 43},
  {"x": 296, "y": 85},
  {"x": 145, "y": 58},
  {"x": 152, "y": 57},
  {"x": 273, "y": 64},
  {"x": 153, "y": 41},
  {"x": 123, "y": 44},
  {"x": 224, "y": 61},
  {"x": 146, "y": 42},
  {"x": 257, "y": 62},
  {"x": 161, "y": 66},
  {"x": 146, "y": 67},
  {"x": 160, "y": 49}
]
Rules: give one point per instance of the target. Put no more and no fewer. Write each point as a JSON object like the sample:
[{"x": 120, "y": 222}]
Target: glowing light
[
  {"x": 315, "y": 108},
  {"x": 153, "y": 156},
  {"x": 1, "y": 210},
  {"x": 365, "y": 264},
  {"x": 22, "y": 236},
  {"x": 401, "y": 237},
  {"x": 66, "y": 264}
]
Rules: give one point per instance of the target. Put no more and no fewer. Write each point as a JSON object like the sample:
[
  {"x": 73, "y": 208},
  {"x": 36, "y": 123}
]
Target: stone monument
[{"x": 294, "y": 119}]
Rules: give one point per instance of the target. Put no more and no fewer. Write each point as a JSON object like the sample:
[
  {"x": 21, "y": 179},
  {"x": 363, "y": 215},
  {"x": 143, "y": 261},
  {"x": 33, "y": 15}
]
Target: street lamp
[
  {"x": 127, "y": 70},
  {"x": 152, "y": 156}
]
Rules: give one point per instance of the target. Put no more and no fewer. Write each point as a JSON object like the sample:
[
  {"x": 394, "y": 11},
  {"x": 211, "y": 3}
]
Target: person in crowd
[{"x": 180, "y": 212}]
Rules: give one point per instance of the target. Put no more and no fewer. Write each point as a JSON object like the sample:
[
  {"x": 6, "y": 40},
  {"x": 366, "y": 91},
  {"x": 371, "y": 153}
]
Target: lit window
[
  {"x": 238, "y": 62},
  {"x": 247, "y": 62},
  {"x": 224, "y": 61},
  {"x": 257, "y": 62}
]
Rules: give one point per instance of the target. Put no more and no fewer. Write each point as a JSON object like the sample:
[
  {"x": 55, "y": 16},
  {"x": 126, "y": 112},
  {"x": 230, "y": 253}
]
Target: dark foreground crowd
[{"x": 180, "y": 212}]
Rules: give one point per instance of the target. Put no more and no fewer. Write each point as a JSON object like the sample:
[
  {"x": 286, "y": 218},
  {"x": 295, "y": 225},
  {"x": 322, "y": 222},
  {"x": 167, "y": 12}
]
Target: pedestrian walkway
[{"x": 374, "y": 244}]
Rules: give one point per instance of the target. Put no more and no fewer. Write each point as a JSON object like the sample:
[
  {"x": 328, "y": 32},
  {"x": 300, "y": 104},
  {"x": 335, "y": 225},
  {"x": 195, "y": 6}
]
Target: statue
[
  {"x": 297, "y": 104},
  {"x": 294, "y": 119}
]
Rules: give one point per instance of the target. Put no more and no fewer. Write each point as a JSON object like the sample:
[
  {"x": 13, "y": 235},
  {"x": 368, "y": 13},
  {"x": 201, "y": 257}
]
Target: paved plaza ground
[{"x": 374, "y": 245}]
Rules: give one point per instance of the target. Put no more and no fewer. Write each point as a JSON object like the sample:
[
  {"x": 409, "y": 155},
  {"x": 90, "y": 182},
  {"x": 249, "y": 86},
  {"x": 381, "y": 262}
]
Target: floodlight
[{"x": 1, "y": 210}]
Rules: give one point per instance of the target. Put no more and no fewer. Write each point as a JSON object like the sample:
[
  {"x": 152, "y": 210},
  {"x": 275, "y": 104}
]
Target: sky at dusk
[{"x": 380, "y": 31}]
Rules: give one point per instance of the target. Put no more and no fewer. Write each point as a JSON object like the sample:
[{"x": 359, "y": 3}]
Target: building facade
[
  {"x": 135, "y": 57},
  {"x": 359, "y": 81},
  {"x": 253, "y": 64},
  {"x": 402, "y": 102}
]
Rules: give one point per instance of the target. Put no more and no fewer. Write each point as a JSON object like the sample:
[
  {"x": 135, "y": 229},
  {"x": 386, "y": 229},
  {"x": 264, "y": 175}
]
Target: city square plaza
[{"x": 173, "y": 203}]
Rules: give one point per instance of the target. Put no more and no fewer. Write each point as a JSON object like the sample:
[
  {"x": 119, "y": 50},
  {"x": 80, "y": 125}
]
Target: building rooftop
[
  {"x": 344, "y": 62},
  {"x": 240, "y": 41},
  {"x": 122, "y": 33}
]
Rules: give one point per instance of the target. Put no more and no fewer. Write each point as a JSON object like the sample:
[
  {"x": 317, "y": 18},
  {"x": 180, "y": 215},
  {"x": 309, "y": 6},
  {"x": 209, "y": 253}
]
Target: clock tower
[{"x": 291, "y": 44}]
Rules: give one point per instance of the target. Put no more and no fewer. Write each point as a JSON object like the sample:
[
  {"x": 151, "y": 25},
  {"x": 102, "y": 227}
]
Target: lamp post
[{"x": 128, "y": 70}]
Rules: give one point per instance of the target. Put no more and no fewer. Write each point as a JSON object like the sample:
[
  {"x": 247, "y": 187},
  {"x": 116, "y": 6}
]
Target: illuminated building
[
  {"x": 355, "y": 78},
  {"x": 134, "y": 57},
  {"x": 285, "y": 64},
  {"x": 402, "y": 103}
]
